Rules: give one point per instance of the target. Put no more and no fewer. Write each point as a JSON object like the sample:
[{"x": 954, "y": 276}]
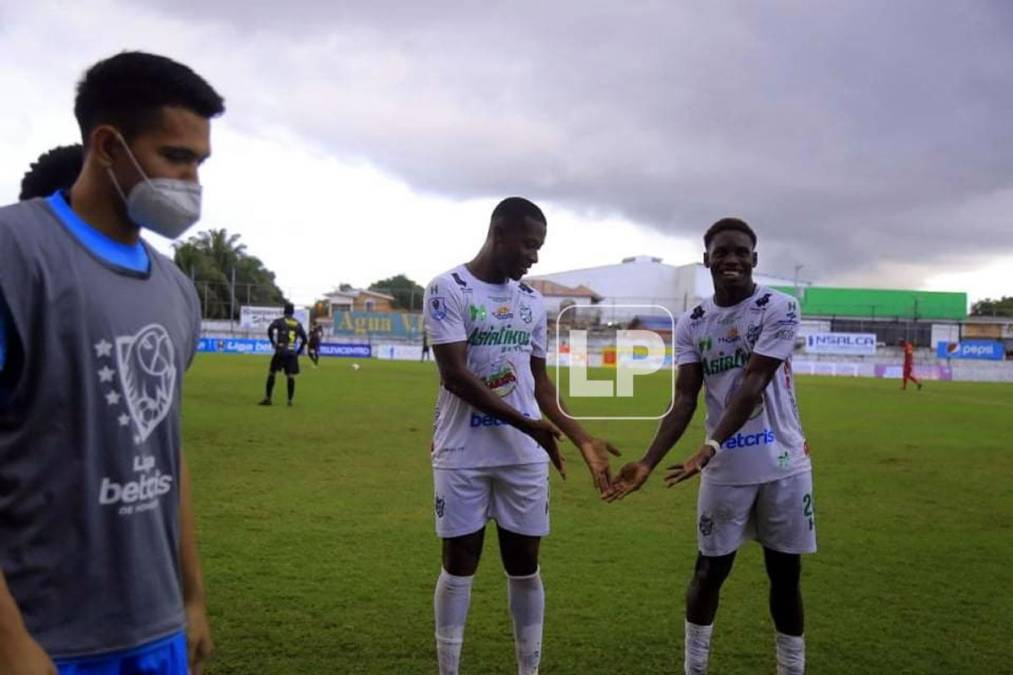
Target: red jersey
[{"x": 909, "y": 355}]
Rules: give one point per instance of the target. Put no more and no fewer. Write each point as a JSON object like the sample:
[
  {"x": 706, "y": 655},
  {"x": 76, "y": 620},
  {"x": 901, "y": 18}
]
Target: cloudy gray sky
[{"x": 868, "y": 141}]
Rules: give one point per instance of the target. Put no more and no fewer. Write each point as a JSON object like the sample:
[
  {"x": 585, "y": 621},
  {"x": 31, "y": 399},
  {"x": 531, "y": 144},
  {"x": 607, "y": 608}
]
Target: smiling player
[{"x": 757, "y": 477}]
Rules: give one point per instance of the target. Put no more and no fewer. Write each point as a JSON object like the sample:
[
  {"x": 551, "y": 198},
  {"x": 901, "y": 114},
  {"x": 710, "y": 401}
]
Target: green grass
[{"x": 316, "y": 532}]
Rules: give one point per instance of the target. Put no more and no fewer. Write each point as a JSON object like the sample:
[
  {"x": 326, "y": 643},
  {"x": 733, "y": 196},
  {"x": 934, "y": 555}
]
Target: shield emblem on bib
[{"x": 147, "y": 368}]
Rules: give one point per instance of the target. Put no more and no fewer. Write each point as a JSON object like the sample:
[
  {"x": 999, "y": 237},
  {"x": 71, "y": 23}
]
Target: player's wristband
[{"x": 714, "y": 444}]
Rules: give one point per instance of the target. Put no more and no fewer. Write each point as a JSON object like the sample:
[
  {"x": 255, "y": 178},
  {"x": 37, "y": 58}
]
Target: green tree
[
  {"x": 210, "y": 257},
  {"x": 989, "y": 307},
  {"x": 407, "y": 294}
]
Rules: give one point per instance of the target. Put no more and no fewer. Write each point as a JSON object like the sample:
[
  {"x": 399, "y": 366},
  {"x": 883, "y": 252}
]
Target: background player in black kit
[
  {"x": 288, "y": 338},
  {"x": 313, "y": 350},
  {"x": 425, "y": 346}
]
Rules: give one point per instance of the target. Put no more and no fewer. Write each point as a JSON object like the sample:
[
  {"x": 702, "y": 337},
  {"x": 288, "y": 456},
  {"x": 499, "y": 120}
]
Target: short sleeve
[
  {"x": 444, "y": 315},
  {"x": 539, "y": 334},
  {"x": 685, "y": 347},
  {"x": 778, "y": 329}
]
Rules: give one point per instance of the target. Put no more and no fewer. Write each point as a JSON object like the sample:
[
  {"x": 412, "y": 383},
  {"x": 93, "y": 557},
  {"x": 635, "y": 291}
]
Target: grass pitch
[{"x": 316, "y": 531}]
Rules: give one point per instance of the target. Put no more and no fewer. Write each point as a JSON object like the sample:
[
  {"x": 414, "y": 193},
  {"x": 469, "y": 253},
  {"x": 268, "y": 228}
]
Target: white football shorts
[
  {"x": 515, "y": 496},
  {"x": 778, "y": 514}
]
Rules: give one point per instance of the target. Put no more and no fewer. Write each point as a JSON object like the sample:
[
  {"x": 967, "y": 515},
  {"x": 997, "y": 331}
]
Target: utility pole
[{"x": 232, "y": 300}]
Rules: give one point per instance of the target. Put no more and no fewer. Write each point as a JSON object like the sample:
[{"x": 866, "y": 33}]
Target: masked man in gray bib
[{"x": 97, "y": 545}]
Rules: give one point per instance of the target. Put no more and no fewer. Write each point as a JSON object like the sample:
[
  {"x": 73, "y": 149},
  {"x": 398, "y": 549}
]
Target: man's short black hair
[
  {"x": 514, "y": 210},
  {"x": 128, "y": 89},
  {"x": 55, "y": 169},
  {"x": 728, "y": 224},
  {"x": 289, "y": 309}
]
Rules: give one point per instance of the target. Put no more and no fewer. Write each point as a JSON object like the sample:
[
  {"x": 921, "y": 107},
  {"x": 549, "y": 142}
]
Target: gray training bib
[{"x": 90, "y": 438}]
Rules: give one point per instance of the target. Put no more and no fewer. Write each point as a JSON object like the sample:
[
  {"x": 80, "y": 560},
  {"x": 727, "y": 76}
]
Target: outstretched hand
[
  {"x": 691, "y": 467},
  {"x": 547, "y": 435},
  {"x": 630, "y": 478},
  {"x": 596, "y": 453}
]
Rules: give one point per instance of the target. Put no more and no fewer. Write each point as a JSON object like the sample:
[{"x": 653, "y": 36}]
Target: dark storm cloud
[{"x": 852, "y": 134}]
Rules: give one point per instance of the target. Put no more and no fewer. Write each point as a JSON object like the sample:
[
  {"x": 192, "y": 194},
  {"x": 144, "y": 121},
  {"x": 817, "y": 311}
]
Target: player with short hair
[
  {"x": 491, "y": 447},
  {"x": 55, "y": 169},
  {"x": 288, "y": 338},
  {"x": 756, "y": 475},
  {"x": 908, "y": 372},
  {"x": 98, "y": 553}
]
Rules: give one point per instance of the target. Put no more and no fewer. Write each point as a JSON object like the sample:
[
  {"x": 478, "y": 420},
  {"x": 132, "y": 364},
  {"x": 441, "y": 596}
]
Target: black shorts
[{"x": 285, "y": 360}]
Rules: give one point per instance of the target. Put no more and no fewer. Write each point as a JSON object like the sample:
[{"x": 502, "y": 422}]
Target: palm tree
[{"x": 211, "y": 258}]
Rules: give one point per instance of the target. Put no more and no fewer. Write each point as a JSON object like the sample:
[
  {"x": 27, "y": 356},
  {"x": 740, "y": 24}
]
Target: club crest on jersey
[
  {"x": 706, "y": 525},
  {"x": 503, "y": 313},
  {"x": 147, "y": 369},
  {"x": 525, "y": 313},
  {"x": 437, "y": 308},
  {"x": 753, "y": 334}
]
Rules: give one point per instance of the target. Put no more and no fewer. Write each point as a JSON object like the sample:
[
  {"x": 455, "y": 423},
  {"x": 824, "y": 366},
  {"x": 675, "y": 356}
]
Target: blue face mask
[{"x": 166, "y": 206}]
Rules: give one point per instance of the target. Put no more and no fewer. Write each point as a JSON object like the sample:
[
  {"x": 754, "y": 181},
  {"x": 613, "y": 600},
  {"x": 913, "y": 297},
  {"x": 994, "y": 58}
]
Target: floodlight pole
[{"x": 798, "y": 268}]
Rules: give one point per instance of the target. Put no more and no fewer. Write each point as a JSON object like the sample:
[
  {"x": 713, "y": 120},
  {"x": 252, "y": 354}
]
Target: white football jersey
[
  {"x": 503, "y": 326},
  {"x": 770, "y": 445}
]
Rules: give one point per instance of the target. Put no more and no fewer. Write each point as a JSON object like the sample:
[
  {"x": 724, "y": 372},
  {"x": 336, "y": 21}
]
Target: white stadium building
[{"x": 640, "y": 281}]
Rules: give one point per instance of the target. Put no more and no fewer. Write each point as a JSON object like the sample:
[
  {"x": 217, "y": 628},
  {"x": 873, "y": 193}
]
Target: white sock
[
  {"x": 527, "y": 607},
  {"x": 450, "y": 602},
  {"x": 790, "y": 654},
  {"x": 698, "y": 648}
]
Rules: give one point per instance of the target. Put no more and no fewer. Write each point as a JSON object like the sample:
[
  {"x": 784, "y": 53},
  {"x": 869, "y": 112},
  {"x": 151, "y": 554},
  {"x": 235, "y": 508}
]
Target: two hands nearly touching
[
  {"x": 634, "y": 474},
  {"x": 595, "y": 451}
]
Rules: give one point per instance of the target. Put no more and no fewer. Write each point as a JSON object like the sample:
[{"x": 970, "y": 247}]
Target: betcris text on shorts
[{"x": 741, "y": 440}]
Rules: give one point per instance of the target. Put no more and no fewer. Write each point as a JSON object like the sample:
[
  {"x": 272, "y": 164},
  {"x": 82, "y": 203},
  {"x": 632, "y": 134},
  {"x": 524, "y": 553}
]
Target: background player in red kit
[{"x": 909, "y": 364}]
